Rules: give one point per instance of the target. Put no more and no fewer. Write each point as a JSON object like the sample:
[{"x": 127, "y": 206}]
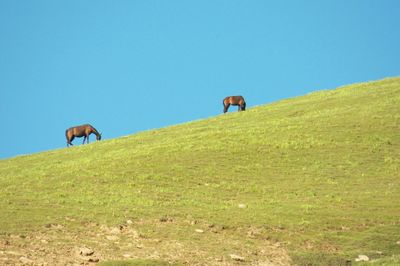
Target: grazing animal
[
  {"x": 234, "y": 100},
  {"x": 81, "y": 131}
]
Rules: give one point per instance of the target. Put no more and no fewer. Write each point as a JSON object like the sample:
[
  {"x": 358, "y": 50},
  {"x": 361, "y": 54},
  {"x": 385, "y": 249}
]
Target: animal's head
[{"x": 98, "y": 137}]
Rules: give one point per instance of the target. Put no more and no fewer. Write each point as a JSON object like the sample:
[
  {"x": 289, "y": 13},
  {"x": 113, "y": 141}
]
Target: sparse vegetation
[
  {"x": 136, "y": 263},
  {"x": 314, "y": 178}
]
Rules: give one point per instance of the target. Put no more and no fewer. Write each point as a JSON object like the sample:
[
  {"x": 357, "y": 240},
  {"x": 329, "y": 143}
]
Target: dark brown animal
[
  {"x": 234, "y": 100},
  {"x": 81, "y": 131}
]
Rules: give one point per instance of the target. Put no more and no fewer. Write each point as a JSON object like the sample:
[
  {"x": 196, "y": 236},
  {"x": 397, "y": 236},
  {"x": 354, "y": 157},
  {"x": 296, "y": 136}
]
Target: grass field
[{"x": 312, "y": 180}]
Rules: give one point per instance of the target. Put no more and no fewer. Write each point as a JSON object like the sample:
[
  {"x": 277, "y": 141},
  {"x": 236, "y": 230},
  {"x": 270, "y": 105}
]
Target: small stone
[
  {"x": 199, "y": 231},
  {"x": 129, "y": 222},
  {"x": 13, "y": 253},
  {"x": 115, "y": 231},
  {"x": 127, "y": 255},
  {"x": 237, "y": 257},
  {"x": 165, "y": 219},
  {"x": 398, "y": 242},
  {"x": 53, "y": 226},
  {"x": 86, "y": 251},
  {"x": 112, "y": 238},
  {"x": 362, "y": 258},
  {"x": 93, "y": 260},
  {"x": 242, "y": 206},
  {"x": 25, "y": 260}
]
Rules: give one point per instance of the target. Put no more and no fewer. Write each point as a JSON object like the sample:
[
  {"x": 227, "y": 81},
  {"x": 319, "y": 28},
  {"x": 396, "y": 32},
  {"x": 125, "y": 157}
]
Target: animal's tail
[
  {"x": 223, "y": 104},
  {"x": 68, "y": 139}
]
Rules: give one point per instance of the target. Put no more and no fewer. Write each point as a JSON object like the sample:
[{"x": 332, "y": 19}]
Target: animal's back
[
  {"x": 234, "y": 99},
  {"x": 80, "y": 126},
  {"x": 80, "y": 130},
  {"x": 238, "y": 98}
]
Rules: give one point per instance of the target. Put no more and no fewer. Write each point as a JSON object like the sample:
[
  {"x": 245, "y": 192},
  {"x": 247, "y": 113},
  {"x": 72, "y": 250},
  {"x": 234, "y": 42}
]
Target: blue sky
[{"x": 130, "y": 66}]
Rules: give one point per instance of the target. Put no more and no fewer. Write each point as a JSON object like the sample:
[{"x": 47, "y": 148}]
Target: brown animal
[
  {"x": 234, "y": 100},
  {"x": 81, "y": 131}
]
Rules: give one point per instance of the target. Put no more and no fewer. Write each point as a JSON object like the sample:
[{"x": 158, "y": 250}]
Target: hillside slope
[{"x": 317, "y": 176}]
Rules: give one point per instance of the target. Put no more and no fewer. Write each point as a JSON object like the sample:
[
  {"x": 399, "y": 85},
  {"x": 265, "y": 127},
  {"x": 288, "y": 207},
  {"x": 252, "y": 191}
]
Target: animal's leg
[
  {"x": 69, "y": 142},
  {"x": 226, "y": 108},
  {"x": 87, "y": 139},
  {"x": 84, "y": 138}
]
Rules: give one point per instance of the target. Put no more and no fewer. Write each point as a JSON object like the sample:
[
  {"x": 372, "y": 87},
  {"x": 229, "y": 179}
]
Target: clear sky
[{"x": 130, "y": 66}]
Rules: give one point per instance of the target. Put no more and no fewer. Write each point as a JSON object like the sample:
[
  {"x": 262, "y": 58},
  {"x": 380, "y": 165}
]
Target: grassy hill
[{"x": 308, "y": 180}]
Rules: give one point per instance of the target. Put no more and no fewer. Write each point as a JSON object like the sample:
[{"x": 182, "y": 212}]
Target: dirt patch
[{"x": 60, "y": 245}]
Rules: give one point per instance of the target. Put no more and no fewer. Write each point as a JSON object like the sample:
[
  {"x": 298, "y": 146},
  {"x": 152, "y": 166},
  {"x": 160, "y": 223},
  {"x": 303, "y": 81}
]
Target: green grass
[{"x": 319, "y": 174}]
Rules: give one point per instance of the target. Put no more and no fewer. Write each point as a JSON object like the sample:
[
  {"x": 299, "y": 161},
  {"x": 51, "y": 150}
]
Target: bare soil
[{"x": 57, "y": 244}]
